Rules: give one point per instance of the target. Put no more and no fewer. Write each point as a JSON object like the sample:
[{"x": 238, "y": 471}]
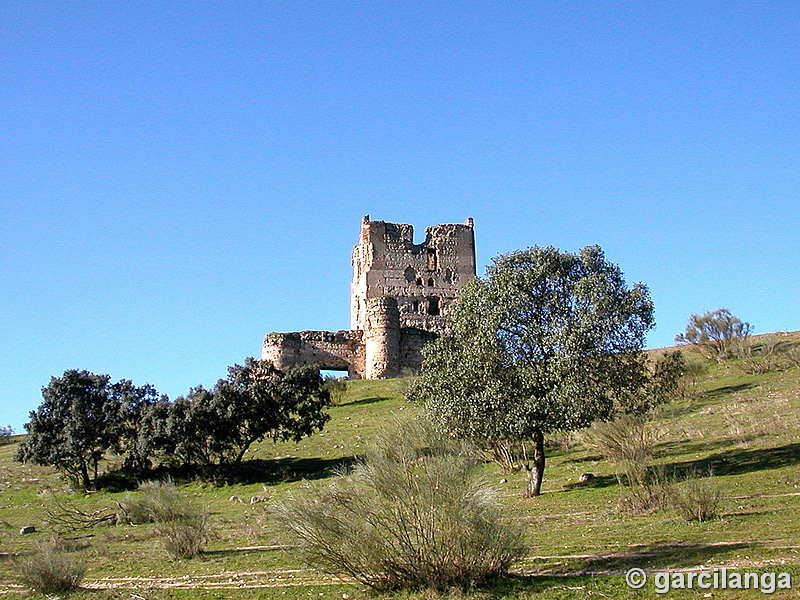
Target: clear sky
[{"x": 179, "y": 178}]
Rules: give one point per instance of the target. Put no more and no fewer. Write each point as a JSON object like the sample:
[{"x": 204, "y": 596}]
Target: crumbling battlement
[
  {"x": 424, "y": 278},
  {"x": 400, "y": 298}
]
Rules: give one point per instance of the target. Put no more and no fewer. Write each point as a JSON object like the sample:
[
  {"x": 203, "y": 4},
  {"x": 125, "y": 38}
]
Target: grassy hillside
[{"x": 742, "y": 427}]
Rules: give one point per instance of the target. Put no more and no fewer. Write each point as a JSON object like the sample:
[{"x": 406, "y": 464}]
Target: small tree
[
  {"x": 716, "y": 334},
  {"x": 73, "y": 427},
  {"x": 5, "y": 434},
  {"x": 548, "y": 341}
]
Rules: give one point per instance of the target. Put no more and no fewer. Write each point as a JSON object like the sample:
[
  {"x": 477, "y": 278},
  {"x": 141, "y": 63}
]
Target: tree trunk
[
  {"x": 537, "y": 471},
  {"x": 87, "y": 483}
]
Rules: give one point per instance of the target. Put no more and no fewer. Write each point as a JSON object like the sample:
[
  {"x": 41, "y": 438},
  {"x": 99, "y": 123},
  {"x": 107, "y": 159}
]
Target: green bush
[
  {"x": 336, "y": 387},
  {"x": 50, "y": 571},
  {"x": 409, "y": 515}
]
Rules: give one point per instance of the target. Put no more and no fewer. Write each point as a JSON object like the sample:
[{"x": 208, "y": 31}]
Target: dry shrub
[
  {"x": 185, "y": 537},
  {"x": 50, "y": 571},
  {"x": 628, "y": 443},
  {"x": 156, "y": 501},
  {"x": 696, "y": 499},
  {"x": 648, "y": 489},
  {"x": 627, "y": 439},
  {"x": 408, "y": 516},
  {"x": 183, "y": 530}
]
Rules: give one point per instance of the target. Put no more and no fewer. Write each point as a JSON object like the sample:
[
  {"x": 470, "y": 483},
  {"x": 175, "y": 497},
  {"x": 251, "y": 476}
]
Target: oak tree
[
  {"x": 77, "y": 422},
  {"x": 548, "y": 341}
]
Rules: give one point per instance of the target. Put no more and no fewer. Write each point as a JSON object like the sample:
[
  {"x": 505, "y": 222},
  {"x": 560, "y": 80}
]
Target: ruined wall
[
  {"x": 424, "y": 278},
  {"x": 400, "y": 298},
  {"x": 335, "y": 351},
  {"x": 411, "y": 342}
]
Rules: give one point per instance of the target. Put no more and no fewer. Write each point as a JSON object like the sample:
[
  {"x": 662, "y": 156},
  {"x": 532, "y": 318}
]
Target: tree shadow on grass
[
  {"x": 267, "y": 472},
  {"x": 363, "y": 401},
  {"x": 239, "y": 551},
  {"x": 580, "y": 575},
  {"x": 725, "y": 390},
  {"x": 282, "y": 470},
  {"x": 583, "y": 459},
  {"x": 598, "y": 481},
  {"x": 684, "y": 447},
  {"x": 738, "y": 461},
  {"x": 662, "y": 555}
]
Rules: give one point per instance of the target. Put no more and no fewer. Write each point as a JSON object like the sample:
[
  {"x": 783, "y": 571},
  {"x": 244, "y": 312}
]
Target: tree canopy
[
  {"x": 83, "y": 416},
  {"x": 254, "y": 402},
  {"x": 548, "y": 341}
]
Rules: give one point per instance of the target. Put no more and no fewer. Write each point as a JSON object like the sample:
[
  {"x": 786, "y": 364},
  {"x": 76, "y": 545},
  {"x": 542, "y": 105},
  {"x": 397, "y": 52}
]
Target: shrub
[
  {"x": 157, "y": 501},
  {"x": 771, "y": 353},
  {"x": 50, "y": 571},
  {"x": 627, "y": 439},
  {"x": 718, "y": 334},
  {"x": 648, "y": 489},
  {"x": 185, "y": 537},
  {"x": 5, "y": 434},
  {"x": 336, "y": 387},
  {"x": 406, "y": 517},
  {"x": 696, "y": 499},
  {"x": 628, "y": 442},
  {"x": 183, "y": 530}
]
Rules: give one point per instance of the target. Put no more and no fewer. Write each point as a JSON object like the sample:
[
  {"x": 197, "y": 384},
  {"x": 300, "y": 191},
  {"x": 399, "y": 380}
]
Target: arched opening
[
  {"x": 410, "y": 274},
  {"x": 433, "y": 306}
]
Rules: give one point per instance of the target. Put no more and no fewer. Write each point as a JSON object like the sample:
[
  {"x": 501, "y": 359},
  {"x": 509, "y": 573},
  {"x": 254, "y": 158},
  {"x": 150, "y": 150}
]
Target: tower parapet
[{"x": 424, "y": 278}]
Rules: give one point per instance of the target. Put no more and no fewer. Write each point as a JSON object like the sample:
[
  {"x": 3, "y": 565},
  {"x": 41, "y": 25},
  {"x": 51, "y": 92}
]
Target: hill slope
[{"x": 742, "y": 427}]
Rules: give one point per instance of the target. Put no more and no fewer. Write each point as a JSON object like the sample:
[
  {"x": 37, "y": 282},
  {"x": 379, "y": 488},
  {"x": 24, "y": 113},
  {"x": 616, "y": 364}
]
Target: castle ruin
[{"x": 399, "y": 299}]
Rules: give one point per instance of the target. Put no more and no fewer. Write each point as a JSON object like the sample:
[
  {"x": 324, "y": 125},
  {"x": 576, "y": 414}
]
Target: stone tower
[
  {"x": 424, "y": 278},
  {"x": 399, "y": 300}
]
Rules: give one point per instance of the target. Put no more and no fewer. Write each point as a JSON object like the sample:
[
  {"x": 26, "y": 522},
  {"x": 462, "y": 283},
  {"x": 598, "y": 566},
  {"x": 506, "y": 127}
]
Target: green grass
[{"x": 744, "y": 427}]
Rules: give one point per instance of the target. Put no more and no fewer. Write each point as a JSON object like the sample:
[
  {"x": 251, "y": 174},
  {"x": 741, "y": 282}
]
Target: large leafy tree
[
  {"x": 548, "y": 341},
  {"x": 131, "y": 402},
  {"x": 258, "y": 401},
  {"x": 76, "y": 423}
]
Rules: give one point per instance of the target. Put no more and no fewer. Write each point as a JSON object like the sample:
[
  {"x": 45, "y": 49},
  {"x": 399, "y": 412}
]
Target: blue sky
[{"x": 179, "y": 178}]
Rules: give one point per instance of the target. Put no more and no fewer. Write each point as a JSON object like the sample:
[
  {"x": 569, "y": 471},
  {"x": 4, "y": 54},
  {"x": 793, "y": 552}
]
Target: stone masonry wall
[
  {"x": 400, "y": 298},
  {"x": 424, "y": 278},
  {"x": 336, "y": 351}
]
